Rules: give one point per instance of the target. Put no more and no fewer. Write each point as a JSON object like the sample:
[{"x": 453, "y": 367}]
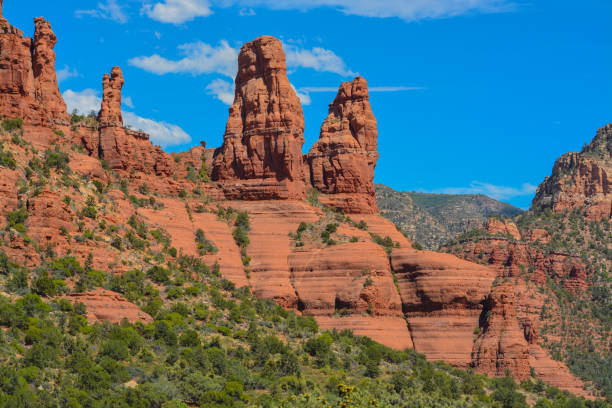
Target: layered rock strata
[
  {"x": 28, "y": 82},
  {"x": 581, "y": 180},
  {"x": 261, "y": 155},
  {"x": 342, "y": 161},
  {"x": 501, "y": 348}
]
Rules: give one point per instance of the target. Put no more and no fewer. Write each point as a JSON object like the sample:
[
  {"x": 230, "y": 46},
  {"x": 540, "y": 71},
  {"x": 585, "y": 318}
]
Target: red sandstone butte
[
  {"x": 342, "y": 161},
  {"x": 106, "y": 306},
  {"x": 261, "y": 155}
]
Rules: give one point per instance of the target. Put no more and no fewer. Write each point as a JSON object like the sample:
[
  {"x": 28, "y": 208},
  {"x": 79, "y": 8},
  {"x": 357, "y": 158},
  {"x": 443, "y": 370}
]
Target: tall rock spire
[
  {"x": 43, "y": 63},
  {"x": 261, "y": 154},
  {"x": 110, "y": 112},
  {"x": 28, "y": 82},
  {"x": 342, "y": 161}
]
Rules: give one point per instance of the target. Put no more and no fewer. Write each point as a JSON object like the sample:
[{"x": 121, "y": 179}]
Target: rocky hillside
[
  {"x": 128, "y": 274},
  {"x": 557, "y": 257},
  {"x": 434, "y": 219}
]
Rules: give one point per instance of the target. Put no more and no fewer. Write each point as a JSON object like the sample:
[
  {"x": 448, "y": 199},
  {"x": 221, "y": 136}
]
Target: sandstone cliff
[{"x": 581, "y": 180}]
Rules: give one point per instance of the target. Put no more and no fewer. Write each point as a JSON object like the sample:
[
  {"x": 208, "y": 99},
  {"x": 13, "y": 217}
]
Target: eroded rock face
[
  {"x": 501, "y": 347},
  {"x": 581, "y": 180},
  {"x": 442, "y": 299},
  {"x": 496, "y": 226},
  {"x": 342, "y": 161},
  {"x": 107, "y": 306},
  {"x": 261, "y": 156},
  {"x": 28, "y": 83}
]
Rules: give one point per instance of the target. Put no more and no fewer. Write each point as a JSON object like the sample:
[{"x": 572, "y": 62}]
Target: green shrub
[{"x": 12, "y": 124}]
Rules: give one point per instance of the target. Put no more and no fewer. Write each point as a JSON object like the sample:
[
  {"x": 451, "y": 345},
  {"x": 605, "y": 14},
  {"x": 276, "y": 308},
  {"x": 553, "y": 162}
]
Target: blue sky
[{"x": 470, "y": 95}]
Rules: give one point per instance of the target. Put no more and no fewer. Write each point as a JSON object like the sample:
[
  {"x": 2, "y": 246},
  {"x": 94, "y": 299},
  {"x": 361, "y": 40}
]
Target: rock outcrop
[
  {"x": 507, "y": 228},
  {"x": 28, "y": 82},
  {"x": 110, "y": 111},
  {"x": 501, "y": 348},
  {"x": 442, "y": 298},
  {"x": 122, "y": 148},
  {"x": 261, "y": 156},
  {"x": 581, "y": 180},
  {"x": 106, "y": 306},
  {"x": 342, "y": 161}
]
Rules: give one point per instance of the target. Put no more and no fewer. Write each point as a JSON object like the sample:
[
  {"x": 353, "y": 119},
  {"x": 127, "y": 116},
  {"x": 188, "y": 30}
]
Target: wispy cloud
[
  {"x": 408, "y": 10},
  {"x": 304, "y": 92},
  {"x": 163, "y": 133},
  {"x": 181, "y": 11},
  {"x": 318, "y": 58},
  {"x": 177, "y": 11},
  {"x": 246, "y": 12},
  {"x": 494, "y": 191},
  {"x": 109, "y": 10},
  {"x": 199, "y": 58},
  {"x": 127, "y": 101},
  {"x": 202, "y": 58},
  {"x": 66, "y": 73},
  {"x": 222, "y": 90}
]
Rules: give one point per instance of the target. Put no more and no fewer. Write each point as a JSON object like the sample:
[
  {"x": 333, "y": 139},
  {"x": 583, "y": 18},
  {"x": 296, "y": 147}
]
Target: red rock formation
[
  {"x": 261, "y": 156},
  {"x": 110, "y": 112},
  {"x": 345, "y": 278},
  {"x": 342, "y": 161},
  {"x": 47, "y": 215},
  {"x": 442, "y": 299},
  {"x": 501, "y": 347},
  {"x": 121, "y": 148},
  {"x": 581, "y": 180},
  {"x": 495, "y": 226},
  {"x": 43, "y": 60},
  {"x": 28, "y": 83},
  {"x": 512, "y": 259},
  {"x": 106, "y": 306}
]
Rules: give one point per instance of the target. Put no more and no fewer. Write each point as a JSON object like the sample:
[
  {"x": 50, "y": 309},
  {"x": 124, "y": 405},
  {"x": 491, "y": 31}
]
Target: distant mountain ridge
[{"x": 433, "y": 219}]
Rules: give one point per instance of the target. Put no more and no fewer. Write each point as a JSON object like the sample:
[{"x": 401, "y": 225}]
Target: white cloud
[
  {"x": 84, "y": 101},
  {"x": 109, "y": 10},
  {"x": 408, "y": 10},
  {"x": 200, "y": 58},
  {"x": 177, "y": 11},
  {"x": 304, "y": 96},
  {"x": 222, "y": 90},
  {"x": 127, "y": 101},
  {"x": 66, "y": 73},
  {"x": 491, "y": 190},
  {"x": 319, "y": 59},
  {"x": 162, "y": 133}
]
